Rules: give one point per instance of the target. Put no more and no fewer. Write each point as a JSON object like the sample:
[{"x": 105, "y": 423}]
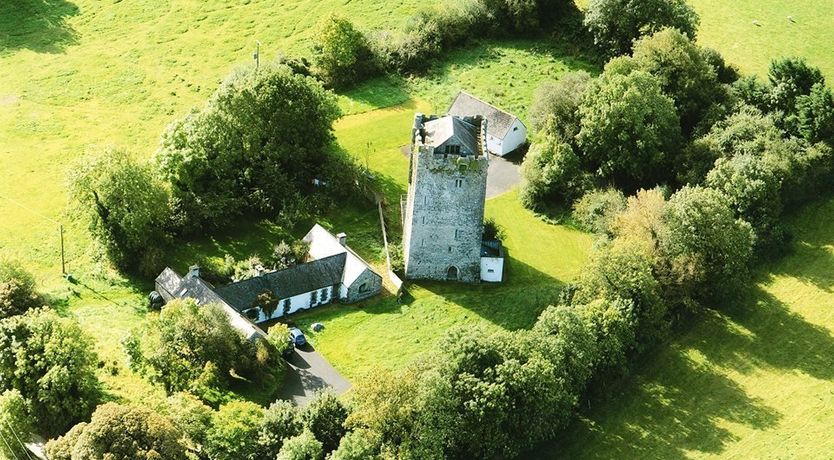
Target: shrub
[
  {"x": 789, "y": 79},
  {"x": 17, "y": 290},
  {"x": 278, "y": 337},
  {"x": 596, "y": 210},
  {"x": 15, "y": 424},
  {"x": 566, "y": 340},
  {"x": 325, "y": 417},
  {"x": 341, "y": 54},
  {"x": 355, "y": 445},
  {"x": 255, "y": 147},
  {"x": 493, "y": 231},
  {"x": 558, "y": 103},
  {"x": 190, "y": 416},
  {"x": 125, "y": 205},
  {"x": 815, "y": 115},
  {"x": 234, "y": 431},
  {"x": 124, "y": 432},
  {"x": 616, "y": 24},
  {"x": 50, "y": 361},
  {"x": 301, "y": 447},
  {"x": 552, "y": 174},
  {"x": 189, "y": 346},
  {"x": 630, "y": 130}
]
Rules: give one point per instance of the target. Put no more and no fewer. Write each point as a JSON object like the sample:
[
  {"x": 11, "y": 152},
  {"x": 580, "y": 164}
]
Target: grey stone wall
[
  {"x": 444, "y": 215},
  {"x": 373, "y": 285}
]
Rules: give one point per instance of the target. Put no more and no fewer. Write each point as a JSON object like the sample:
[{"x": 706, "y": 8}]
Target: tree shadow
[{"x": 37, "y": 25}]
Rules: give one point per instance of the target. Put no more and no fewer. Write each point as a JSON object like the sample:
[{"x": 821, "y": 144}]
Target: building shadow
[{"x": 37, "y": 25}]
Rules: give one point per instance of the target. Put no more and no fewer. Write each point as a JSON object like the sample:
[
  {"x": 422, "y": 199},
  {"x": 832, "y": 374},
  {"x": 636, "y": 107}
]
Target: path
[{"x": 308, "y": 373}]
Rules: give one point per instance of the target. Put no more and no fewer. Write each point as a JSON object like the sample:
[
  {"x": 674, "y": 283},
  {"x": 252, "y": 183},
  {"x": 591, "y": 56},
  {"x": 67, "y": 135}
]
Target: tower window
[
  {"x": 458, "y": 183},
  {"x": 457, "y": 233}
]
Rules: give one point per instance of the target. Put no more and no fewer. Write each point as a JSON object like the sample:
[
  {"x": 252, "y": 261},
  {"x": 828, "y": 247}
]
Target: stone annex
[{"x": 443, "y": 219}]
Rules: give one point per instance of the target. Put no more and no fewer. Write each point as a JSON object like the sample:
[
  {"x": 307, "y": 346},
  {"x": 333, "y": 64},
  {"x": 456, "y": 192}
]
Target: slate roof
[
  {"x": 324, "y": 244},
  {"x": 289, "y": 282},
  {"x": 451, "y": 130},
  {"x": 498, "y": 121}
]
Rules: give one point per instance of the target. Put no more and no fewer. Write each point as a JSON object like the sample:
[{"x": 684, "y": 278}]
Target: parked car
[{"x": 297, "y": 337}]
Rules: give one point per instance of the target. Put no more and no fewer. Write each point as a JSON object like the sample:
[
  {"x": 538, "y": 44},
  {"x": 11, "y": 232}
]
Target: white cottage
[
  {"x": 505, "y": 132},
  {"x": 331, "y": 272}
]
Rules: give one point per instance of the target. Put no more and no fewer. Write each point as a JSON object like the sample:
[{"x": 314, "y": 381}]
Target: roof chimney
[
  {"x": 417, "y": 128},
  {"x": 193, "y": 271},
  {"x": 342, "y": 238}
]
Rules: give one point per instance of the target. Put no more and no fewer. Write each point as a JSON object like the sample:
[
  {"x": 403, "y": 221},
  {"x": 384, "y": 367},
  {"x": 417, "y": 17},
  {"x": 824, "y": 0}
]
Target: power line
[
  {"x": 8, "y": 446},
  {"x": 43, "y": 216},
  {"x": 14, "y": 433}
]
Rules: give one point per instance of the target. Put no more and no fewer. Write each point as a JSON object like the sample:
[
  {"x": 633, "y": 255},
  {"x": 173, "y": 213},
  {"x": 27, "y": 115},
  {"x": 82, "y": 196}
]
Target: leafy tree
[
  {"x": 301, "y": 447},
  {"x": 791, "y": 78},
  {"x": 341, "y": 54},
  {"x": 188, "y": 344},
  {"x": 552, "y": 174},
  {"x": 613, "y": 325},
  {"x": 630, "y": 130},
  {"x": 355, "y": 445},
  {"x": 126, "y": 206},
  {"x": 567, "y": 341},
  {"x": 754, "y": 189},
  {"x": 615, "y": 24},
  {"x": 190, "y": 416},
  {"x": 325, "y": 417},
  {"x": 17, "y": 290},
  {"x": 558, "y": 102},
  {"x": 815, "y": 113},
  {"x": 706, "y": 245},
  {"x": 597, "y": 209},
  {"x": 50, "y": 361},
  {"x": 61, "y": 448},
  {"x": 280, "y": 422},
  {"x": 255, "y": 147},
  {"x": 234, "y": 432},
  {"x": 685, "y": 75},
  {"x": 745, "y": 131},
  {"x": 278, "y": 337},
  {"x": 123, "y": 432},
  {"x": 15, "y": 425}
]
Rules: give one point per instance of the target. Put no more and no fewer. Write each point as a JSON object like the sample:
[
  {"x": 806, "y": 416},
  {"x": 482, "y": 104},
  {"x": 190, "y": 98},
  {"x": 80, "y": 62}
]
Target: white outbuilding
[{"x": 505, "y": 132}]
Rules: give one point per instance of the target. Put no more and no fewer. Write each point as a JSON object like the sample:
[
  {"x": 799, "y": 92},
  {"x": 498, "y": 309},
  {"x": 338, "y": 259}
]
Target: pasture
[{"x": 752, "y": 381}]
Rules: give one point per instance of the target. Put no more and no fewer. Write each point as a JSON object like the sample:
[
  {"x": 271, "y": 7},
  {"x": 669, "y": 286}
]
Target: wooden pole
[{"x": 63, "y": 262}]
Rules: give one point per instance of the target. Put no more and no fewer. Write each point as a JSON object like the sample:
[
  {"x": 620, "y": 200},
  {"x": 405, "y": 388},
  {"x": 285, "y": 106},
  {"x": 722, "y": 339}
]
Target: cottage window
[
  {"x": 363, "y": 287},
  {"x": 515, "y": 128}
]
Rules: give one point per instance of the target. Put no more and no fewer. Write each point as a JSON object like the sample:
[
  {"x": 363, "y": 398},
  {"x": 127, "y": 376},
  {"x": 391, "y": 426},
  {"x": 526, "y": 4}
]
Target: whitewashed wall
[{"x": 492, "y": 269}]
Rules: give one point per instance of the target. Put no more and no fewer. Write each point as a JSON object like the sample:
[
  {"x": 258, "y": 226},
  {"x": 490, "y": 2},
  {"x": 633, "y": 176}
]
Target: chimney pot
[
  {"x": 194, "y": 271},
  {"x": 342, "y": 238}
]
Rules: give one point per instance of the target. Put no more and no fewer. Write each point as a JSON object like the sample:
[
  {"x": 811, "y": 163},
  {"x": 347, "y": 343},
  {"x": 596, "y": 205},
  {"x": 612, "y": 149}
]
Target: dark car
[{"x": 297, "y": 337}]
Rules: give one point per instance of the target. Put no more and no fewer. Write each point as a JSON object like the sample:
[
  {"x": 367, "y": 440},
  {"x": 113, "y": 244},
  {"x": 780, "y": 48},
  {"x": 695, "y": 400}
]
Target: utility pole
[
  {"x": 63, "y": 260},
  {"x": 257, "y": 55}
]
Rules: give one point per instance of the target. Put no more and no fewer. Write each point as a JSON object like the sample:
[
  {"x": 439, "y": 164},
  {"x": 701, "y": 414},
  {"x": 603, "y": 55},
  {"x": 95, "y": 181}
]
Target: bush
[
  {"x": 815, "y": 115},
  {"x": 552, "y": 174},
  {"x": 123, "y": 432},
  {"x": 596, "y": 210},
  {"x": 325, "y": 417},
  {"x": 616, "y": 24},
  {"x": 17, "y": 290},
  {"x": 341, "y": 54},
  {"x": 630, "y": 131},
  {"x": 126, "y": 207},
  {"x": 301, "y": 447},
  {"x": 255, "y": 147},
  {"x": 356, "y": 445},
  {"x": 189, "y": 347},
  {"x": 15, "y": 424},
  {"x": 190, "y": 416},
  {"x": 234, "y": 432},
  {"x": 558, "y": 103},
  {"x": 50, "y": 361}
]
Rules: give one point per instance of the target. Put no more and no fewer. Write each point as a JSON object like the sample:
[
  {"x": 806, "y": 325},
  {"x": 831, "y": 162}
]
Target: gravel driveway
[{"x": 309, "y": 372}]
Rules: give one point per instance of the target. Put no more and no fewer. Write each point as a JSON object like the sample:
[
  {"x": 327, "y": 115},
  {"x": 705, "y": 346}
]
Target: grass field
[{"x": 753, "y": 381}]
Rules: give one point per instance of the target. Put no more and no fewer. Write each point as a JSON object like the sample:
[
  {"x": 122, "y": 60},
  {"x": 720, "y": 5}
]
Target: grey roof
[
  {"x": 323, "y": 244},
  {"x": 286, "y": 283},
  {"x": 498, "y": 121},
  {"x": 169, "y": 280},
  {"x": 492, "y": 248},
  {"x": 450, "y": 130}
]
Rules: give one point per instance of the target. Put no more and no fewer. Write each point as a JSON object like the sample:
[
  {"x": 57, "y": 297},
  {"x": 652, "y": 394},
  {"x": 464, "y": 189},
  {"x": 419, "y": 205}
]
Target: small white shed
[
  {"x": 505, "y": 132},
  {"x": 492, "y": 262}
]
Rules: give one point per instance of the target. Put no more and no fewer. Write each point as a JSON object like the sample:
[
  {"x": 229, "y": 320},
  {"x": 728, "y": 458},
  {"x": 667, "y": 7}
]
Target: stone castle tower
[{"x": 444, "y": 214}]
